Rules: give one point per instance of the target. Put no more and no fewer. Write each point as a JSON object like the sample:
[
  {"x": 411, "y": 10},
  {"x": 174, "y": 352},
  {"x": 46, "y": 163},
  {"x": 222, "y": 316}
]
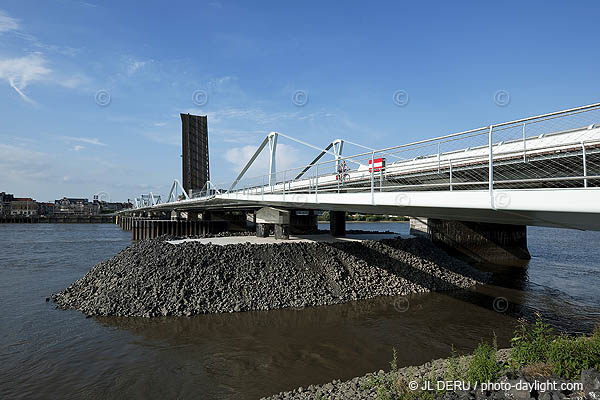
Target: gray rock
[
  {"x": 153, "y": 278},
  {"x": 590, "y": 379}
]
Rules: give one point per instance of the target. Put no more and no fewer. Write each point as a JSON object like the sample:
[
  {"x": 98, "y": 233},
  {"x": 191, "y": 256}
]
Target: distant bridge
[{"x": 542, "y": 170}]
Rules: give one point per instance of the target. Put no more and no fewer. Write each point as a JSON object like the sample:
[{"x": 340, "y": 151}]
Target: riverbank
[
  {"x": 381, "y": 384},
  {"x": 441, "y": 376},
  {"x": 540, "y": 365},
  {"x": 155, "y": 278},
  {"x": 57, "y": 219}
]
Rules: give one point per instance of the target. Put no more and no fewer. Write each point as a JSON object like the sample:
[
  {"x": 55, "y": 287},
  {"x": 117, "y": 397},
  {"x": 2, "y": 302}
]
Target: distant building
[
  {"x": 105, "y": 207},
  {"x": 5, "y": 200},
  {"x": 46, "y": 208},
  {"x": 75, "y": 206},
  {"x": 23, "y": 206}
]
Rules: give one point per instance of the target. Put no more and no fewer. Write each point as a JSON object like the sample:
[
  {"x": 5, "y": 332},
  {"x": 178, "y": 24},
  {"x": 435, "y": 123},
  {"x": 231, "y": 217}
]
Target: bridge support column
[
  {"x": 268, "y": 217},
  {"x": 282, "y": 232},
  {"x": 499, "y": 244},
  {"x": 191, "y": 216},
  {"x": 337, "y": 223},
  {"x": 262, "y": 230},
  {"x": 304, "y": 224}
]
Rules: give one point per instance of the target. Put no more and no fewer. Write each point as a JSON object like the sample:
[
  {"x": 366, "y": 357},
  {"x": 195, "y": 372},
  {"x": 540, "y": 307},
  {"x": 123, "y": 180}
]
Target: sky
[{"x": 91, "y": 91}]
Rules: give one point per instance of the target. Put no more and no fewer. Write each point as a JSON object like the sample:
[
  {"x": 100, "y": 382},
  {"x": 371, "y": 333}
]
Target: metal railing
[{"x": 554, "y": 150}]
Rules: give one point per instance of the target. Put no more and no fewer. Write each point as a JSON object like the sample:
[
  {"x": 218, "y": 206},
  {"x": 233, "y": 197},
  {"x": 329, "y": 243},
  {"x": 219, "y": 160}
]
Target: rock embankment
[
  {"x": 155, "y": 278},
  {"x": 519, "y": 384}
]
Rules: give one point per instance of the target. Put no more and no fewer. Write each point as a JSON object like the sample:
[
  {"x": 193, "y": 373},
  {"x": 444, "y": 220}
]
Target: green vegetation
[
  {"x": 366, "y": 217},
  {"x": 456, "y": 369},
  {"x": 538, "y": 347},
  {"x": 530, "y": 343},
  {"x": 536, "y": 351},
  {"x": 484, "y": 366}
]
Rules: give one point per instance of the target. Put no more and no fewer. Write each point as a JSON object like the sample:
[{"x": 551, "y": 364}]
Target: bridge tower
[{"x": 195, "y": 166}]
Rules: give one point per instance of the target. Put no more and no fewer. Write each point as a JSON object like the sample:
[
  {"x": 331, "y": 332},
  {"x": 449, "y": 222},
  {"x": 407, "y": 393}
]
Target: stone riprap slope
[
  {"x": 155, "y": 278},
  {"x": 369, "y": 386}
]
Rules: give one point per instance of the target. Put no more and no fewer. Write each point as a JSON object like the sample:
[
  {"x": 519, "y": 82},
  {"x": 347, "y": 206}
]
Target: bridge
[{"x": 542, "y": 170}]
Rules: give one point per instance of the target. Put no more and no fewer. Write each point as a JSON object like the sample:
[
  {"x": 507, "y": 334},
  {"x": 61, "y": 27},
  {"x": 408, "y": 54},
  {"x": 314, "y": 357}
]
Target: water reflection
[{"x": 257, "y": 353}]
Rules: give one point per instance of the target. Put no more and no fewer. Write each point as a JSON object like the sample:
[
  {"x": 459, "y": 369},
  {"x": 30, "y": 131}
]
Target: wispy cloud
[
  {"x": 237, "y": 157},
  {"x": 8, "y": 23},
  {"x": 21, "y": 71},
  {"x": 134, "y": 65},
  {"x": 19, "y": 163},
  {"x": 92, "y": 141}
]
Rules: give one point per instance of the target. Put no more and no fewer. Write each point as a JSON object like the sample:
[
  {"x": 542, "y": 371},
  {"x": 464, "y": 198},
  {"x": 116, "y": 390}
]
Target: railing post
[
  {"x": 284, "y": 185},
  {"x": 317, "y": 184},
  {"x": 262, "y": 189},
  {"x": 372, "y": 178},
  {"x": 585, "y": 183},
  {"x": 339, "y": 176},
  {"x": 381, "y": 179},
  {"x": 450, "y": 175},
  {"x": 439, "y": 158},
  {"x": 524, "y": 145},
  {"x": 491, "y": 168}
]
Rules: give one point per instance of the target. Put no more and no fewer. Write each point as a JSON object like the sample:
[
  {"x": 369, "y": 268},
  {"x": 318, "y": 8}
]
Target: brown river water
[{"x": 47, "y": 353}]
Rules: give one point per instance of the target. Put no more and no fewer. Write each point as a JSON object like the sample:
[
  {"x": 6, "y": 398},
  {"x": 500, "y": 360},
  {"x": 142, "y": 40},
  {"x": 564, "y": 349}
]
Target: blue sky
[{"x": 60, "y": 58}]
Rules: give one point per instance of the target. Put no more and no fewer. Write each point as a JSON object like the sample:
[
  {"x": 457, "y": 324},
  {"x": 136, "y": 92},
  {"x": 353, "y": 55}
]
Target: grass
[
  {"x": 536, "y": 350},
  {"x": 484, "y": 366},
  {"x": 537, "y": 347}
]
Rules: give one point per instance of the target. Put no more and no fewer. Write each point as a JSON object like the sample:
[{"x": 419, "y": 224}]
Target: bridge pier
[
  {"x": 304, "y": 224},
  {"x": 152, "y": 228},
  {"x": 337, "y": 223},
  {"x": 236, "y": 221},
  {"x": 499, "y": 244},
  {"x": 269, "y": 218}
]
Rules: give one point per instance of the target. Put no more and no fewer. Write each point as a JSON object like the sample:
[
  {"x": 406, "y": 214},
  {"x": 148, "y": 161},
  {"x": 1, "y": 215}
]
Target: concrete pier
[
  {"x": 499, "y": 244},
  {"x": 236, "y": 220},
  {"x": 273, "y": 219},
  {"x": 306, "y": 223},
  {"x": 151, "y": 228},
  {"x": 337, "y": 223},
  {"x": 283, "y": 223}
]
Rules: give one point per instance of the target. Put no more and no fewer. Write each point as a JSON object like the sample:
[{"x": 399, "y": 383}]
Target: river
[{"x": 48, "y": 353}]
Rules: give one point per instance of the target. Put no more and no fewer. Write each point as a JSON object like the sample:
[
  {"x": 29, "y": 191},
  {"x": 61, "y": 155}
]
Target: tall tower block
[{"x": 194, "y": 136}]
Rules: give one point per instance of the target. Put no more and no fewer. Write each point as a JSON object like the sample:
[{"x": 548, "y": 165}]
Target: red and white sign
[{"x": 378, "y": 164}]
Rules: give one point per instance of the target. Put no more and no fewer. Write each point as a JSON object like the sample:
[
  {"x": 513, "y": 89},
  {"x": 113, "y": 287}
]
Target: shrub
[
  {"x": 455, "y": 370},
  {"x": 531, "y": 343},
  {"x": 572, "y": 355},
  {"x": 484, "y": 366},
  {"x": 536, "y": 348}
]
